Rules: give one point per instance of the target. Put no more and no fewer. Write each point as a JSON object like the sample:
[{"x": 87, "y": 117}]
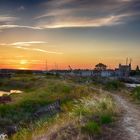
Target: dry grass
[{"x": 82, "y": 122}]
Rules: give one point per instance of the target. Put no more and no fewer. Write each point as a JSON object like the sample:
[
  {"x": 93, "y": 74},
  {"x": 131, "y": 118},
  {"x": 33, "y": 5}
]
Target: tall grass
[
  {"x": 94, "y": 105},
  {"x": 86, "y": 118},
  {"x": 114, "y": 85},
  {"x": 136, "y": 93}
]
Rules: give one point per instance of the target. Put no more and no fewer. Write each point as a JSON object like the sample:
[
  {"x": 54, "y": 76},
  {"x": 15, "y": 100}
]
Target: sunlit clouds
[
  {"x": 10, "y": 26},
  {"x": 26, "y": 46},
  {"x": 79, "y": 33},
  {"x": 28, "y": 43},
  {"x": 86, "y": 22},
  {"x": 6, "y": 18},
  {"x": 74, "y": 13},
  {"x": 88, "y": 13}
]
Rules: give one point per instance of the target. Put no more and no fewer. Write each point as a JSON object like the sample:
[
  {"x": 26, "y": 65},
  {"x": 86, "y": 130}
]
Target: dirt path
[{"x": 130, "y": 122}]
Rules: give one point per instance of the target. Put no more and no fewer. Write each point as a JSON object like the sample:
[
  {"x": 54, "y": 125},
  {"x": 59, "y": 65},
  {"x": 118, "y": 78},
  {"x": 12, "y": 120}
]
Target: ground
[
  {"x": 129, "y": 124},
  {"x": 89, "y": 111}
]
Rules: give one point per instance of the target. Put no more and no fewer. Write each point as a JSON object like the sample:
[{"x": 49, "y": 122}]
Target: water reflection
[{"x": 10, "y": 92}]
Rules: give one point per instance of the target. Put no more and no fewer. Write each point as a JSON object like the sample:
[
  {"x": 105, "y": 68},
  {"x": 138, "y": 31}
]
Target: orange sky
[
  {"x": 68, "y": 32},
  {"x": 27, "y": 55}
]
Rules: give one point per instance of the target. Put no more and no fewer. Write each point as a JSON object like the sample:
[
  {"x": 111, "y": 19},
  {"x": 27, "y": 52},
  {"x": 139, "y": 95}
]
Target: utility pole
[
  {"x": 126, "y": 60},
  {"x": 46, "y": 65},
  {"x": 55, "y": 66}
]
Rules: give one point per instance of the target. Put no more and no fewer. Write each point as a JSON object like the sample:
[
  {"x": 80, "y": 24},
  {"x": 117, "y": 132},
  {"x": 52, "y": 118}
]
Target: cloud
[
  {"x": 87, "y": 13},
  {"x": 25, "y": 45},
  {"x": 86, "y": 22},
  {"x": 21, "y": 8},
  {"x": 8, "y": 22},
  {"x": 74, "y": 13},
  {"x": 39, "y": 50},
  {"x": 2, "y": 27},
  {"x": 5, "y": 18},
  {"x": 28, "y": 43}
]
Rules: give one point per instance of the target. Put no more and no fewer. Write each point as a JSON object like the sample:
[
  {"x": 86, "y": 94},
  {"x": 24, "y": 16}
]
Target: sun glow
[{"x": 23, "y": 62}]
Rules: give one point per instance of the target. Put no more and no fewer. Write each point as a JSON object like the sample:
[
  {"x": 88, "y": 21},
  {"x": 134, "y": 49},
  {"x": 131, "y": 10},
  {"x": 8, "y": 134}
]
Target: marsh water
[
  {"x": 10, "y": 92},
  {"x": 132, "y": 85}
]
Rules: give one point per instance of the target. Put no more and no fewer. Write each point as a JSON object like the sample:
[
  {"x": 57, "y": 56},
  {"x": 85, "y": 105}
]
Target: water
[
  {"x": 10, "y": 92},
  {"x": 4, "y": 93},
  {"x": 132, "y": 85}
]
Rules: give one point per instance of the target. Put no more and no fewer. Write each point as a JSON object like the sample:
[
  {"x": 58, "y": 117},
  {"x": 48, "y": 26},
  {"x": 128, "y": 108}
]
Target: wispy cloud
[
  {"x": 2, "y": 27},
  {"x": 39, "y": 50},
  {"x": 85, "y": 22},
  {"x": 86, "y": 13},
  {"x": 25, "y": 45},
  {"x": 28, "y": 43},
  {"x": 5, "y": 18},
  {"x": 21, "y": 8},
  {"x": 9, "y": 22}
]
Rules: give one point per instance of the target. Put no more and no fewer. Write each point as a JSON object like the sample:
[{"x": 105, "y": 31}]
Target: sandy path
[{"x": 130, "y": 122}]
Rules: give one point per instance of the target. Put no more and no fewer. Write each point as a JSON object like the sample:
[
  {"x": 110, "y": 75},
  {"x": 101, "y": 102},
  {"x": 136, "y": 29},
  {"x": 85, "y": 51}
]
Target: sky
[{"x": 35, "y": 34}]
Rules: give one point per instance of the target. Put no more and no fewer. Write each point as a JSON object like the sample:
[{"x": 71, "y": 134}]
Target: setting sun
[{"x": 23, "y": 62}]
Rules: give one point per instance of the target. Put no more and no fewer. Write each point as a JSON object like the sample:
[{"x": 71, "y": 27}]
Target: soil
[{"x": 129, "y": 124}]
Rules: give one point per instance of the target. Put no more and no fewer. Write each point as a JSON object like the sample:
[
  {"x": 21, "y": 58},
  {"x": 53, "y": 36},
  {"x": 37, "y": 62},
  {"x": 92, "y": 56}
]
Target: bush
[
  {"x": 136, "y": 93},
  {"x": 91, "y": 128},
  {"x": 114, "y": 85},
  {"x": 106, "y": 119}
]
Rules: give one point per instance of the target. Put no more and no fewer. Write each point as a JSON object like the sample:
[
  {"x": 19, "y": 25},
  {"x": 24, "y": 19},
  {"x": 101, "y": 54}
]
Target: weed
[
  {"x": 106, "y": 119},
  {"x": 136, "y": 93},
  {"x": 114, "y": 85},
  {"x": 91, "y": 128}
]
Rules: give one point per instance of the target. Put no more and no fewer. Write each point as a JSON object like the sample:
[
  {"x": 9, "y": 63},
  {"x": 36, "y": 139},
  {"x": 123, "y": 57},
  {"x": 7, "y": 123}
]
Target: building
[
  {"x": 87, "y": 73},
  {"x": 107, "y": 73},
  {"x": 123, "y": 70}
]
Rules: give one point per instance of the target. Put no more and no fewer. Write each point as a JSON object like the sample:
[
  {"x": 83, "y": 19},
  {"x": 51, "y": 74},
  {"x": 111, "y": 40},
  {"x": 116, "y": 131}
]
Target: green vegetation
[
  {"x": 106, "y": 119},
  {"x": 91, "y": 128},
  {"x": 136, "y": 93},
  {"x": 83, "y": 109},
  {"x": 114, "y": 85}
]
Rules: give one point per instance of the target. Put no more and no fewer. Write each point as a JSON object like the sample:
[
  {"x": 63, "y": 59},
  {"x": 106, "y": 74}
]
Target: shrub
[
  {"x": 91, "y": 128},
  {"x": 106, "y": 119},
  {"x": 114, "y": 85},
  {"x": 136, "y": 93}
]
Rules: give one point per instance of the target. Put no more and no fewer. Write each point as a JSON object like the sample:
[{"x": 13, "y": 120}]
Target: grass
[
  {"x": 85, "y": 118},
  {"x": 136, "y": 93},
  {"x": 91, "y": 128},
  {"x": 36, "y": 93},
  {"x": 83, "y": 109},
  {"x": 114, "y": 85},
  {"x": 106, "y": 119}
]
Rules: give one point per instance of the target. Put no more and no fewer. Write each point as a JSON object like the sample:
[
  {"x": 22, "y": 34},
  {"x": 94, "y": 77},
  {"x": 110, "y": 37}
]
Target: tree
[
  {"x": 137, "y": 68},
  {"x": 100, "y": 67}
]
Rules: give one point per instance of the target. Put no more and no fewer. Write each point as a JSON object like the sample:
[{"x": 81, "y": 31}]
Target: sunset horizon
[{"x": 71, "y": 32}]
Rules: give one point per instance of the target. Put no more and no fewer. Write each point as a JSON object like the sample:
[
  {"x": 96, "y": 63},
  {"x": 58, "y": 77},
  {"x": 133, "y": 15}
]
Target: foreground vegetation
[
  {"x": 84, "y": 112},
  {"x": 136, "y": 93}
]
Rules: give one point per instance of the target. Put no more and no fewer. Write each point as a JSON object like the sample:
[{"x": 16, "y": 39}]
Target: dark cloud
[
  {"x": 59, "y": 13},
  {"x": 94, "y": 13}
]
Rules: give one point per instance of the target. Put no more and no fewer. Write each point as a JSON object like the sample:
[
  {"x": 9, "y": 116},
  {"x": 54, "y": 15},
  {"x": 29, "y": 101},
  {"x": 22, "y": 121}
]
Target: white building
[{"x": 107, "y": 73}]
